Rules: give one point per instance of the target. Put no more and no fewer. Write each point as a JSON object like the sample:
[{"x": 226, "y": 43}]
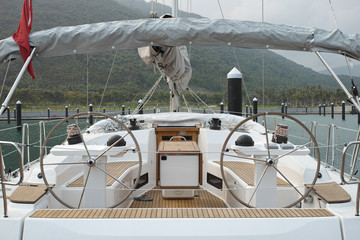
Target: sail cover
[
  {"x": 133, "y": 34},
  {"x": 173, "y": 60}
]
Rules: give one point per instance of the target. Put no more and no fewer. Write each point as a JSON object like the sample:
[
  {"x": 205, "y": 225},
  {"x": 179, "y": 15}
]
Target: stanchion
[
  {"x": 8, "y": 114},
  {"x": 18, "y": 115}
]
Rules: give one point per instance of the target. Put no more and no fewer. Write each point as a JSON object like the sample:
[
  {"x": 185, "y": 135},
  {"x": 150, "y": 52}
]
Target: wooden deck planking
[
  {"x": 331, "y": 192},
  {"x": 28, "y": 193},
  {"x": 246, "y": 171},
  {"x": 205, "y": 200},
  {"x": 116, "y": 169},
  {"x": 181, "y": 213}
]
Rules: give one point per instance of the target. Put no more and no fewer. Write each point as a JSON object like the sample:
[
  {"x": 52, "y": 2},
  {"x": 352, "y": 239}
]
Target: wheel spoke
[
  {"x": 66, "y": 163},
  {"x": 247, "y": 158},
  {"x": 89, "y": 160},
  {"x": 83, "y": 191},
  {"x": 267, "y": 137},
  {"x": 82, "y": 137},
  {"x": 288, "y": 180},
  {"x": 240, "y": 198},
  {"x": 258, "y": 183},
  {"x": 294, "y": 150},
  {"x": 107, "y": 173},
  {"x": 110, "y": 147}
]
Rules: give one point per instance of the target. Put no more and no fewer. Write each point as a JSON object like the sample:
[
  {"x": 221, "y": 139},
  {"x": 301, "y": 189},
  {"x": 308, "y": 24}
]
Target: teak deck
[
  {"x": 204, "y": 200},
  {"x": 181, "y": 213},
  {"x": 246, "y": 171},
  {"x": 331, "y": 192},
  {"x": 28, "y": 193}
]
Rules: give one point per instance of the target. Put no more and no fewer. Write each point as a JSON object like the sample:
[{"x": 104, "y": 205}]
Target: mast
[
  {"x": 174, "y": 92},
  {"x": 175, "y": 8}
]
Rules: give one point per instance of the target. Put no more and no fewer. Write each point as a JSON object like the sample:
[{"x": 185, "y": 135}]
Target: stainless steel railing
[
  {"x": 342, "y": 175},
  {"x": 25, "y": 135},
  {"x": 2, "y": 172}
]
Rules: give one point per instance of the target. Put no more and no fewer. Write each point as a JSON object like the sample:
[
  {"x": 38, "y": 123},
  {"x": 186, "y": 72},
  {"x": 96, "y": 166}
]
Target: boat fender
[
  {"x": 319, "y": 175},
  {"x": 39, "y": 175},
  {"x": 244, "y": 141},
  {"x": 114, "y": 139}
]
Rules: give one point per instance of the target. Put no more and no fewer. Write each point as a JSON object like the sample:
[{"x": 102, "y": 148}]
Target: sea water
[{"x": 344, "y": 131}]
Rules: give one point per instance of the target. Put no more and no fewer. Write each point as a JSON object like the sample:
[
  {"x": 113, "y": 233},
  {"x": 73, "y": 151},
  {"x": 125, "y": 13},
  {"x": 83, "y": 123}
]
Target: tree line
[{"x": 294, "y": 97}]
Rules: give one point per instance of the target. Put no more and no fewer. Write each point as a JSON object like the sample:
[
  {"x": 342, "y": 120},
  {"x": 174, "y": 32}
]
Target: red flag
[{"x": 21, "y": 36}]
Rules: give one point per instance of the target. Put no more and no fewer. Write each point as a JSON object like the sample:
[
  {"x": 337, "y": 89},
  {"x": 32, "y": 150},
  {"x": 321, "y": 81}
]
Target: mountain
[
  {"x": 65, "y": 78},
  {"x": 355, "y": 70}
]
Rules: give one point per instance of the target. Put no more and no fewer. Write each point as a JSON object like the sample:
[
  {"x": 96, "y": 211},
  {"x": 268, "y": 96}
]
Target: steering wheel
[
  {"x": 270, "y": 161},
  {"x": 91, "y": 160}
]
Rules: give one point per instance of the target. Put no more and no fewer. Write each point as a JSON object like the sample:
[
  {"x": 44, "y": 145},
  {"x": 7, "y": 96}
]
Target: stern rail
[
  {"x": 346, "y": 147},
  {"x": 2, "y": 172}
]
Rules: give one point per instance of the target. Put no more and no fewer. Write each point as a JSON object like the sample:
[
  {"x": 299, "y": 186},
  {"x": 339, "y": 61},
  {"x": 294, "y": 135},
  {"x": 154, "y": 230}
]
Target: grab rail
[
  {"x": 2, "y": 179},
  {"x": 42, "y": 135},
  {"x": 354, "y": 156},
  {"x": 352, "y": 182},
  {"x": 313, "y": 131},
  {"x": 331, "y": 127},
  {"x": 25, "y": 133}
]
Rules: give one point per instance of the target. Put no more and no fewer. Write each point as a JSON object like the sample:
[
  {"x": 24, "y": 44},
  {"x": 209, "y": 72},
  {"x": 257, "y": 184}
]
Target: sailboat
[{"x": 180, "y": 175}]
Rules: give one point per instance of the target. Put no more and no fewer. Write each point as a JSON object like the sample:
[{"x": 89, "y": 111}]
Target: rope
[
  {"x": 263, "y": 60},
  {"x": 153, "y": 11},
  {"x": 183, "y": 96},
  {"x": 238, "y": 65},
  {"x": 194, "y": 94},
  {"x": 107, "y": 81},
  {"x": 87, "y": 80},
  {"x": 237, "y": 61},
  {"x": 333, "y": 13},
  {"x": 148, "y": 96},
  {"x": 6, "y": 73},
  {"x": 186, "y": 103},
  {"x": 218, "y": 1},
  {"x": 130, "y": 8}
]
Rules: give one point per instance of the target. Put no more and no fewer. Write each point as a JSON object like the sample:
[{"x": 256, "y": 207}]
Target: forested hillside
[{"x": 63, "y": 80}]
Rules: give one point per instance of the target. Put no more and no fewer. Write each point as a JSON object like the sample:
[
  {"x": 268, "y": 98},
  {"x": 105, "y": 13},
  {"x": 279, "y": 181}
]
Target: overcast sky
[{"x": 306, "y": 13}]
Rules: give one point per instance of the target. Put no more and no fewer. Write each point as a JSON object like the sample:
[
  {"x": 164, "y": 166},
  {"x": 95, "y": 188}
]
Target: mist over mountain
[{"x": 354, "y": 70}]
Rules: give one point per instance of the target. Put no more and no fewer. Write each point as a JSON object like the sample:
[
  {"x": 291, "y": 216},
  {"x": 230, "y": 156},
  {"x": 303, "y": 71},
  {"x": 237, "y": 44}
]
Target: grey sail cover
[{"x": 133, "y": 34}]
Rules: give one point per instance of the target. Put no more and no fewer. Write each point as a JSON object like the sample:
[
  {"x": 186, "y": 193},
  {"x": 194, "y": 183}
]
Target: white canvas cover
[
  {"x": 173, "y": 60},
  {"x": 132, "y": 34}
]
